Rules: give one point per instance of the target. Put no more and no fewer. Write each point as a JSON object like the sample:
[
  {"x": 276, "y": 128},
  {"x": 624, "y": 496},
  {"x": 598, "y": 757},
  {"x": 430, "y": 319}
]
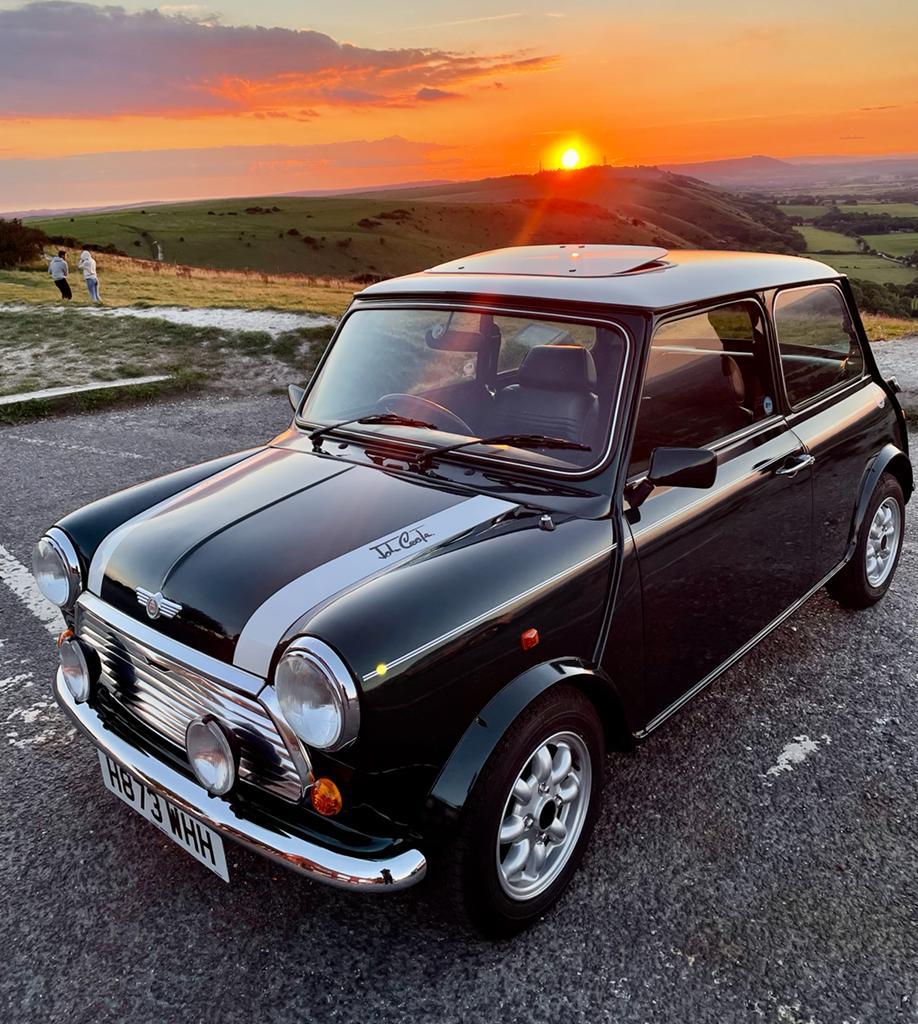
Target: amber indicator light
[
  {"x": 326, "y": 797},
  {"x": 64, "y": 637},
  {"x": 529, "y": 638}
]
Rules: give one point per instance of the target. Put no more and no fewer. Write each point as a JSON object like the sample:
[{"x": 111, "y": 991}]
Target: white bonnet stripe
[
  {"x": 106, "y": 549},
  {"x": 271, "y": 620}
]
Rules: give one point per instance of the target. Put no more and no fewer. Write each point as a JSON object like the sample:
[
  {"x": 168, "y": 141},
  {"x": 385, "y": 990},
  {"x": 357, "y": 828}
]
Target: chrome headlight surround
[
  {"x": 317, "y": 695},
  {"x": 57, "y": 552}
]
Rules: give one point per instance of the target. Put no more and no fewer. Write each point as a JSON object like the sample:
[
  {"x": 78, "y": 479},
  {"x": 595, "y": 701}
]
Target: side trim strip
[
  {"x": 491, "y": 612},
  {"x": 734, "y": 658},
  {"x": 263, "y": 631}
]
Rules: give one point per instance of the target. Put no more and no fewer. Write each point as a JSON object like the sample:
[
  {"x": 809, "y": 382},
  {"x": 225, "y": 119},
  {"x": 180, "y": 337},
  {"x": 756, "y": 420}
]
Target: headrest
[{"x": 558, "y": 367}]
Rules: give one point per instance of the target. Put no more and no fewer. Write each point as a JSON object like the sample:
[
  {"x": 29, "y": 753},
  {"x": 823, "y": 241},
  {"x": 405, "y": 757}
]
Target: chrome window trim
[
  {"x": 751, "y": 429},
  {"x": 330, "y": 664},
  {"x": 835, "y": 389},
  {"x": 63, "y": 545},
  {"x": 235, "y": 678},
  {"x": 498, "y": 310}
]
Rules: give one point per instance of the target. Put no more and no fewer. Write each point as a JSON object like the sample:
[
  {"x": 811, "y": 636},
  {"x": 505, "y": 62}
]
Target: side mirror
[
  {"x": 295, "y": 395},
  {"x": 682, "y": 467}
]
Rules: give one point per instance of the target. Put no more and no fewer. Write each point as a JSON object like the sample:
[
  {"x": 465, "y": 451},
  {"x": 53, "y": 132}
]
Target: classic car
[{"x": 530, "y": 503}]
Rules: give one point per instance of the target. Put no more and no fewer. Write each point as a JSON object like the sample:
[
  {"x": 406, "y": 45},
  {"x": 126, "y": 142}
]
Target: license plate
[{"x": 201, "y": 842}]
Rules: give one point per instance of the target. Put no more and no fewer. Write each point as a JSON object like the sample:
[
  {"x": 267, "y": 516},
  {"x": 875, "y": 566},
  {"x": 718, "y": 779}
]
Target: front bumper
[{"x": 330, "y": 866}]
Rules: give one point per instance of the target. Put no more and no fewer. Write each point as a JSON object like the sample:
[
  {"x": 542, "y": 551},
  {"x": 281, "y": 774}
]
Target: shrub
[
  {"x": 293, "y": 232},
  {"x": 19, "y": 243}
]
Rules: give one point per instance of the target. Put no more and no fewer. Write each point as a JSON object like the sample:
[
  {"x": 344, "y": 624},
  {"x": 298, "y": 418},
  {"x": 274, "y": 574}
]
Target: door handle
[{"x": 791, "y": 469}]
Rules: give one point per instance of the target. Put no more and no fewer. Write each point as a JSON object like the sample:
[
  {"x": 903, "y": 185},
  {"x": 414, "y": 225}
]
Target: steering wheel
[{"x": 418, "y": 408}]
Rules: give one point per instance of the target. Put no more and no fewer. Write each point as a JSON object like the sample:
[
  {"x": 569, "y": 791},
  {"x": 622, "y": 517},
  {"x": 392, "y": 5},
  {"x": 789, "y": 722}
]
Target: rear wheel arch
[{"x": 890, "y": 459}]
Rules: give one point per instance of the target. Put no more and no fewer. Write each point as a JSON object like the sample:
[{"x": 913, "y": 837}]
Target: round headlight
[
  {"x": 317, "y": 695},
  {"x": 75, "y": 670},
  {"x": 56, "y": 569},
  {"x": 211, "y": 755}
]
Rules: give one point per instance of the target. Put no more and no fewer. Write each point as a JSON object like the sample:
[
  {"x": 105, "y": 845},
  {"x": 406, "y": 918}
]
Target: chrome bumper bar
[{"x": 329, "y": 866}]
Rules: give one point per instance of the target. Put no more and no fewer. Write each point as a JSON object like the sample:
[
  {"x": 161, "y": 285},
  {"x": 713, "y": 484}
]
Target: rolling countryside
[{"x": 385, "y": 233}]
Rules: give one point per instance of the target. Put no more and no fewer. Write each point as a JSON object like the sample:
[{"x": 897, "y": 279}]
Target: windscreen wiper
[
  {"x": 513, "y": 440},
  {"x": 391, "y": 418}
]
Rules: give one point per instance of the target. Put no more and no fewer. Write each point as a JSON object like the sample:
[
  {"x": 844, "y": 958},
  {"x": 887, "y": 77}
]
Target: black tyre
[
  {"x": 866, "y": 578},
  {"x": 529, "y": 816}
]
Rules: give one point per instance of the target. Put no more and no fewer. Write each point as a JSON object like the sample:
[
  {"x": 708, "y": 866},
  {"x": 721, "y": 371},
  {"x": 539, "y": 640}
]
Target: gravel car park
[{"x": 766, "y": 840}]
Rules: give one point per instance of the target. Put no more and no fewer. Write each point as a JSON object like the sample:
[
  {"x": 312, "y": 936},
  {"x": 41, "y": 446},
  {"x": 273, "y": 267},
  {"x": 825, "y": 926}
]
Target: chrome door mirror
[{"x": 295, "y": 395}]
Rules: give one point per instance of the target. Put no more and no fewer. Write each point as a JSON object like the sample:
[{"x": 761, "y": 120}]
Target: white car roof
[{"x": 644, "y": 277}]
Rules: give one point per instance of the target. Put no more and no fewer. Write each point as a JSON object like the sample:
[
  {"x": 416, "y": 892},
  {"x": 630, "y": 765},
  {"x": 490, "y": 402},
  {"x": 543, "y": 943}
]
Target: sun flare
[{"x": 570, "y": 159}]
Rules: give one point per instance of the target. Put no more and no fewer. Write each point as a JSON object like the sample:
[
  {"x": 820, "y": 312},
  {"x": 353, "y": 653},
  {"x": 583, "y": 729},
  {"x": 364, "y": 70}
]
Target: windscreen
[{"x": 473, "y": 375}]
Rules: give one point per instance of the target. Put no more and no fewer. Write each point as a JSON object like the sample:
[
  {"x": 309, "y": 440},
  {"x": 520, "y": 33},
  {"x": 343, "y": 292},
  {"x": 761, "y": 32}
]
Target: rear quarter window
[{"x": 817, "y": 341}]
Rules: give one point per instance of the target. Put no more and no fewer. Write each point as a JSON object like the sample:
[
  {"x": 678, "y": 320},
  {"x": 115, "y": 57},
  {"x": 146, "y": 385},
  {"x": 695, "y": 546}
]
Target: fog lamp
[
  {"x": 213, "y": 754},
  {"x": 75, "y": 668}
]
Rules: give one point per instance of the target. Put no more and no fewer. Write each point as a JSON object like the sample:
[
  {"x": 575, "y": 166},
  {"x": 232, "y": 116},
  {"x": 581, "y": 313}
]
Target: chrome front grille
[{"x": 144, "y": 684}]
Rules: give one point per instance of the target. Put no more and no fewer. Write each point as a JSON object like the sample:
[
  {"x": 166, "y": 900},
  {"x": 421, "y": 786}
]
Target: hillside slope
[{"x": 386, "y": 233}]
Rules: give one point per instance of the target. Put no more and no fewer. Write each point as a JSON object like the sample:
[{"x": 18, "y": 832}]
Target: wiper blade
[
  {"x": 513, "y": 440},
  {"x": 391, "y": 418}
]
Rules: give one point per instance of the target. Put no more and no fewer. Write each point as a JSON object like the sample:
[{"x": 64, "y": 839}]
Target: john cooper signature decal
[
  {"x": 268, "y": 623},
  {"x": 403, "y": 541}
]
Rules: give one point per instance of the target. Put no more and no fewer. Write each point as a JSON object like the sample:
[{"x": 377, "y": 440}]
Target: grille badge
[{"x": 156, "y": 604}]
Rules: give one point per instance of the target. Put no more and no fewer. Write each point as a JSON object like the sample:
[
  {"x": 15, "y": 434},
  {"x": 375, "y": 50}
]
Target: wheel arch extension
[
  {"x": 453, "y": 785},
  {"x": 890, "y": 459}
]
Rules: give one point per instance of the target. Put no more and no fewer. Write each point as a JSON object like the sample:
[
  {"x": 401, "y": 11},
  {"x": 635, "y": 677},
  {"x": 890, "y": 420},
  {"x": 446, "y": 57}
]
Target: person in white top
[
  {"x": 87, "y": 264},
  {"x": 58, "y": 269}
]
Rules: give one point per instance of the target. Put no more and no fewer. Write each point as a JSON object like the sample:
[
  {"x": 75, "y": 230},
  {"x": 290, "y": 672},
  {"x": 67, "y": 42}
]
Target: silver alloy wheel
[
  {"x": 544, "y": 815},
  {"x": 883, "y": 541}
]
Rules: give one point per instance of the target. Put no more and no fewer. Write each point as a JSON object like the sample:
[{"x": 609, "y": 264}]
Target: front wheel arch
[{"x": 453, "y": 785}]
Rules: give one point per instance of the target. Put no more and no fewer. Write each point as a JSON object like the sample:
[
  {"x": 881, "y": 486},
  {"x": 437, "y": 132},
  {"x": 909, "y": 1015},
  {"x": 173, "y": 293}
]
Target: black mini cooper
[{"x": 531, "y": 503}]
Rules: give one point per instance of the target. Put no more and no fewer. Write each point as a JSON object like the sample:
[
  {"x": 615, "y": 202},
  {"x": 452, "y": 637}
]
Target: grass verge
[
  {"x": 40, "y": 408},
  {"x": 129, "y": 282}
]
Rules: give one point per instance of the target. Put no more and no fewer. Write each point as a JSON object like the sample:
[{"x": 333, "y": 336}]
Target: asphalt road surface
[{"x": 757, "y": 859}]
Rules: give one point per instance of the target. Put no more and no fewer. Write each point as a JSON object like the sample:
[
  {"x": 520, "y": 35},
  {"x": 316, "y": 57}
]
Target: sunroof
[{"x": 557, "y": 260}]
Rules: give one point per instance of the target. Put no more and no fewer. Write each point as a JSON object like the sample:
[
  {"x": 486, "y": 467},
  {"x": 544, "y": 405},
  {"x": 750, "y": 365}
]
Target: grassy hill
[{"x": 386, "y": 233}]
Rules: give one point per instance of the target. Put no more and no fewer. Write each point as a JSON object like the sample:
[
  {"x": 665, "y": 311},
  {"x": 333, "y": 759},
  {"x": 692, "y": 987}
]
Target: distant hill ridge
[{"x": 398, "y": 230}]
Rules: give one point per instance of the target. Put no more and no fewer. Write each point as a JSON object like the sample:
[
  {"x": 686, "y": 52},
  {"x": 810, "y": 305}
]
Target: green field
[
  {"x": 807, "y": 212},
  {"x": 398, "y": 232},
  {"x": 818, "y": 240},
  {"x": 870, "y": 268},
  {"x": 899, "y": 243},
  {"x": 893, "y": 209}
]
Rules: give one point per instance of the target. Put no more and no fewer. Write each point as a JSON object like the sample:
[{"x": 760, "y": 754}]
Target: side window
[
  {"x": 817, "y": 340},
  {"x": 708, "y": 375}
]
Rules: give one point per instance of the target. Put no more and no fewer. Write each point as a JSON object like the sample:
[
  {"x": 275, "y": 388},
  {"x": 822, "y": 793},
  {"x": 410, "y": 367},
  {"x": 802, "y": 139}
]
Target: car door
[
  {"x": 718, "y": 565},
  {"x": 837, "y": 410}
]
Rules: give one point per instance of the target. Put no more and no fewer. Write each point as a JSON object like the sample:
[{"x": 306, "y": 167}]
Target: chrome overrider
[{"x": 272, "y": 841}]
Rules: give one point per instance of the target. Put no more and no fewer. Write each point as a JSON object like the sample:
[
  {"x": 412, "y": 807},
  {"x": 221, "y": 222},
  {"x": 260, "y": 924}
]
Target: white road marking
[
  {"x": 796, "y": 752},
  {"x": 81, "y": 448},
  {"x": 20, "y": 680},
  {"x": 21, "y": 582}
]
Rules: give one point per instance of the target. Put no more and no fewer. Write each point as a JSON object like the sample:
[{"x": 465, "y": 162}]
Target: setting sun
[{"x": 570, "y": 159}]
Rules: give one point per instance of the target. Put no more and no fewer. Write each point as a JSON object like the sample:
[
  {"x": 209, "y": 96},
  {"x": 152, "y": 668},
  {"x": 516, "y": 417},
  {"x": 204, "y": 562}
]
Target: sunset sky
[{"x": 104, "y": 104}]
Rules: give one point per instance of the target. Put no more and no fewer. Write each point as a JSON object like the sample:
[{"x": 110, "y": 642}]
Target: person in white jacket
[
  {"x": 87, "y": 264},
  {"x": 58, "y": 269}
]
